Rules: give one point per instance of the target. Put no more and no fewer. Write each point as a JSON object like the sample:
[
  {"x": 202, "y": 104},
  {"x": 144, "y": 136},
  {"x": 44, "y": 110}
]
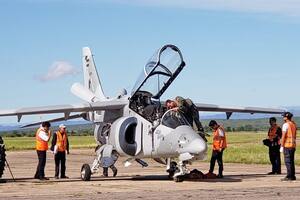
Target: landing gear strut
[
  {"x": 177, "y": 172},
  {"x": 182, "y": 170}
]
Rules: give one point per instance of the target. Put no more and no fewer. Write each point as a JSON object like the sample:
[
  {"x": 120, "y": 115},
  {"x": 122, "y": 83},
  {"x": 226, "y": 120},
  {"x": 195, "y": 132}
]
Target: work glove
[{"x": 281, "y": 149}]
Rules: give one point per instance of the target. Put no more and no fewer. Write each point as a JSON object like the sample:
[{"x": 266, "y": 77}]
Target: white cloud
[
  {"x": 281, "y": 7},
  {"x": 58, "y": 69}
]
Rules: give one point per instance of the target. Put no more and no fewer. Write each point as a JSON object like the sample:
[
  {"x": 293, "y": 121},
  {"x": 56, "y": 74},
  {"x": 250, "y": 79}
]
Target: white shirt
[
  {"x": 221, "y": 133},
  {"x": 285, "y": 127},
  {"x": 43, "y": 135}
]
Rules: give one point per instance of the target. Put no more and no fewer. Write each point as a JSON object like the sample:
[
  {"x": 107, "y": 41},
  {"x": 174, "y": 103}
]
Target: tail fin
[{"x": 91, "y": 78}]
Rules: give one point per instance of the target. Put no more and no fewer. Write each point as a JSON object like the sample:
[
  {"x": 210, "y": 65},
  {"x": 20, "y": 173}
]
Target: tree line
[{"x": 28, "y": 133}]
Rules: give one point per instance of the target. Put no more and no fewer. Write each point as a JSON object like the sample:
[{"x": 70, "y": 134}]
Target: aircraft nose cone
[{"x": 197, "y": 146}]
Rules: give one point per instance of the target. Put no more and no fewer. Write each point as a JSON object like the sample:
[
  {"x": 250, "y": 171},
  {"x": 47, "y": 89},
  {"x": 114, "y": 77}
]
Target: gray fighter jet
[{"x": 137, "y": 126}]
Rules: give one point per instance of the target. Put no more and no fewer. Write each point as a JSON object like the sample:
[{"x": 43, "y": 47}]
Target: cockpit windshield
[
  {"x": 173, "y": 119},
  {"x": 160, "y": 71}
]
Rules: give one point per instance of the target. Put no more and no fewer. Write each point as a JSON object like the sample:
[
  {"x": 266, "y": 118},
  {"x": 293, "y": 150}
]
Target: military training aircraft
[{"x": 138, "y": 125}]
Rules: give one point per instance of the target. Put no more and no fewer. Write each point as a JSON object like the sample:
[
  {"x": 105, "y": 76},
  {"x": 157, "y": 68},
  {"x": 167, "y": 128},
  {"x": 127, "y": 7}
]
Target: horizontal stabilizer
[{"x": 83, "y": 93}]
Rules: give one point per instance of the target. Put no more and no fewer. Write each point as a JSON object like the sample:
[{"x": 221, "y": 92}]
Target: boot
[
  {"x": 105, "y": 171},
  {"x": 115, "y": 170}
]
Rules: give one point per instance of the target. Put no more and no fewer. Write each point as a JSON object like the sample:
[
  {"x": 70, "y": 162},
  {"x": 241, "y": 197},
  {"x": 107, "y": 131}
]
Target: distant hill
[
  {"x": 295, "y": 110},
  {"x": 71, "y": 124},
  {"x": 8, "y": 128},
  {"x": 260, "y": 124}
]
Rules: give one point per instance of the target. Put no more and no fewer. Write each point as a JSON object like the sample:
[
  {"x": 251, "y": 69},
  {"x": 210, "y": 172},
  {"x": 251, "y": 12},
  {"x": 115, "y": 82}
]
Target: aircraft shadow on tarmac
[
  {"x": 227, "y": 178},
  {"x": 251, "y": 176},
  {"x": 166, "y": 178}
]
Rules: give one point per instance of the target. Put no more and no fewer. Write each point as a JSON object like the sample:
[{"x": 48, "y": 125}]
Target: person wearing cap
[
  {"x": 190, "y": 112},
  {"x": 218, "y": 145},
  {"x": 42, "y": 137},
  {"x": 288, "y": 145},
  {"x": 60, "y": 145},
  {"x": 274, "y": 135}
]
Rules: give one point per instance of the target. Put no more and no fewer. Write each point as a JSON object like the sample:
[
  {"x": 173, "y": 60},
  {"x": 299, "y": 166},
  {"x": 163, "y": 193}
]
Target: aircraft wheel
[
  {"x": 86, "y": 172},
  {"x": 2, "y": 156},
  {"x": 178, "y": 179},
  {"x": 171, "y": 174}
]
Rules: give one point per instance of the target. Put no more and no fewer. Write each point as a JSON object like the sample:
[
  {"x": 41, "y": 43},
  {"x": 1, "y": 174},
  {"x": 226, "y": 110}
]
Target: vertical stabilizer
[{"x": 91, "y": 78}]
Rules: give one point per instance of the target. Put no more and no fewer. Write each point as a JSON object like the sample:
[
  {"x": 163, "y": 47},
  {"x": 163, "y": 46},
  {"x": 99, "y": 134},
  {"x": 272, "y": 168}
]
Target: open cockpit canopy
[{"x": 160, "y": 71}]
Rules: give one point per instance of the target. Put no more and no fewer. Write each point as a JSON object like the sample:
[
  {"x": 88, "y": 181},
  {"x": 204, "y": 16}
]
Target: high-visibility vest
[
  {"x": 61, "y": 141},
  {"x": 290, "y": 136},
  {"x": 41, "y": 145},
  {"x": 219, "y": 142},
  {"x": 272, "y": 133}
]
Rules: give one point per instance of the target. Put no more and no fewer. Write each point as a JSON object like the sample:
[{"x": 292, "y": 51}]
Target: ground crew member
[
  {"x": 274, "y": 135},
  {"x": 288, "y": 145},
  {"x": 42, "y": 137},
  {"x": 218, "y": 146},
  {"x": 114, "y": 156},
  {"x": 112, "y": 167},
  {"x": 60, "y": 145},
  {"x": 190, "y": 112}
]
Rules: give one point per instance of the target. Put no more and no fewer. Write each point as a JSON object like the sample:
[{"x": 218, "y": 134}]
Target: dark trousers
[
  {"x": 60, "y": 159},
  {"x": 216, "y": 155},
  {"x": 40, "y": 170},
  {"x": 105, "y": 170},
  {"x": 289, "y": 159},
  {"x": 274, "y": 155}
]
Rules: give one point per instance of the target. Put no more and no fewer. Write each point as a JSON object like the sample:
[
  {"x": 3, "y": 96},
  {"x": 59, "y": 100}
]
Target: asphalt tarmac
[{"x": 135, "y": 182}]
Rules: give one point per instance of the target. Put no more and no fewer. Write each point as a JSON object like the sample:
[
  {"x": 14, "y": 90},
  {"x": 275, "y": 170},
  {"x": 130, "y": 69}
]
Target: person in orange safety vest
[
  {"x": 219, "y": 144},
  {"x": 288, "y": 145},
  {"x": 60, "y": 145},
  {"x": 42, "y": 136},
  {"x": 274, "y": 136}
]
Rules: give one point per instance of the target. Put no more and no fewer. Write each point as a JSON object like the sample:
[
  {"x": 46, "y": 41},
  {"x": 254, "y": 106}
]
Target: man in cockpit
[{"x": 190, "y": 112}]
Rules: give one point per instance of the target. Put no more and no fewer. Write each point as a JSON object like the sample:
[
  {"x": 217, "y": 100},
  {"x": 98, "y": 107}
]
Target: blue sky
[{"x": 236, "y": 54}]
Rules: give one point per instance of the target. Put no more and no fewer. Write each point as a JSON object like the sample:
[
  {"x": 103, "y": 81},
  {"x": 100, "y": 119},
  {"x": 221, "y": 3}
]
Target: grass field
[
  {"x": 27, "y": 143},
  {"x": 247, "y": 147},
  {"x": 243, "y": 147}
]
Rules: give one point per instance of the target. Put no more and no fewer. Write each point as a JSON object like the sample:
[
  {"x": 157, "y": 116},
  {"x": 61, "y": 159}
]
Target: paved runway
[{"x": 135, "y": 182}]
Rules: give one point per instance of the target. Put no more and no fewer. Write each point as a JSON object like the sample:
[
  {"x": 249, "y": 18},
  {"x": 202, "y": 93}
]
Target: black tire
[
  {"x": 86, "y": 172},
  {"x": 173, "y": 169},
  {"x": 178, "y": 179},
  {"x": 2, "y": 157},
  {"x": 171, "y": 175}
]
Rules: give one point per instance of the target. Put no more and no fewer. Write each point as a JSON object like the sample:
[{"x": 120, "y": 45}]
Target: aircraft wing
[
  {"x": 66, "y": 109},
  {"x": 229, "y": 110}
]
